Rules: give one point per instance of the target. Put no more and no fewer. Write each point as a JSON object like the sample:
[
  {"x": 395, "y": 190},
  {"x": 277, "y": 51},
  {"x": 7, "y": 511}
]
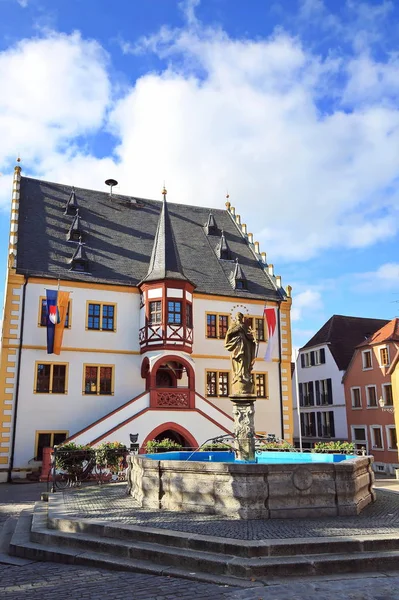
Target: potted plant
[
  {"x": 277, "y": 445},
  {"x": 73, "y": 458},
  {"x": 217, "y": 446},
  {"x": 334, "y": 447},
  {"x": 110, "y": 455}
]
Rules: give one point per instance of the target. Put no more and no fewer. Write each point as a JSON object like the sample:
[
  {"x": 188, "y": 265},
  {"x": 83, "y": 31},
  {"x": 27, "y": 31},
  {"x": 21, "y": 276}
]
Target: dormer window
[
  {"x": 222, "y": 249},
  {"x": 79, "y": 259},
  {"x": 238, "y": 279},
  {"x": 71, "y": 205},
  {"x": 75, "y": 231},
  {"x": 210, "y": 226}
]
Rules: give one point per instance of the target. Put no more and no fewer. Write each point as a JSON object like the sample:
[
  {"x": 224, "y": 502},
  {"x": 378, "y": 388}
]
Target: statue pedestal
[{"x": 244, "y": 428}]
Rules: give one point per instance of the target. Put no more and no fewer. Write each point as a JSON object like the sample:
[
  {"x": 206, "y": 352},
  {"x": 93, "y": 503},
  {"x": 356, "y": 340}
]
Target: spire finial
[{"x": 164, "y": 190}]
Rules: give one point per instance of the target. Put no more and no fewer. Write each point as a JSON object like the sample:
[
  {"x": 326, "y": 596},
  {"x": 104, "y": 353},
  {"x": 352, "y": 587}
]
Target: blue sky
[{"x": 290, "y": 105}]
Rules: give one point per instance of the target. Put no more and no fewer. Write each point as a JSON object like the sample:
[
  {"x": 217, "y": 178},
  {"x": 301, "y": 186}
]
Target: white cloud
[
  {"x": 54, "y": 88},
  {"x": 385, "y": 278},
  {"x": 306, "y": 301},
  {"x": 266, "y": 119},
  {"x": 23, "y": 3}
]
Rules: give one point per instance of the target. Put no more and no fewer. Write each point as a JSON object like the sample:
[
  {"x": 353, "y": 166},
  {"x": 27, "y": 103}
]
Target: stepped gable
[
  {"x": 119, "y": 240},
  {"x": 343, "y": 334}
]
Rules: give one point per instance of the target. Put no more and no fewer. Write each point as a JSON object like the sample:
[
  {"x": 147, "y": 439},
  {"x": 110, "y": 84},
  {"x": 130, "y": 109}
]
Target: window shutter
[
  {"x": 302, "y": 361},
  {"x": 332, "y": 426},
  {"x": 318, "y": 401},
  {"x": 311, "y": 393},
  {"x": 322, "y": 356},
  {"x": 319, "y": 426},
  {"x": 302, "y": 424},
  {"x": 329, "y": 391},
  {"x": 312, "y": 359},
  {"x": 300, "y": 394}
]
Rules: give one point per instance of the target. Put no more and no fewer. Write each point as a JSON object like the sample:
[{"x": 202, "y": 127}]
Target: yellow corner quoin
[{"x": 286, "y": 353}]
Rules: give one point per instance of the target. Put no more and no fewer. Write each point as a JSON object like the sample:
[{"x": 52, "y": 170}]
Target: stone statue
[{"x": 241, "y": 343}]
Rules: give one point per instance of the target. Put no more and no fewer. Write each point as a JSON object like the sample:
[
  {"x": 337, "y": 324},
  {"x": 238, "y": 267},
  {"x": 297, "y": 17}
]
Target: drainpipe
[
  {"x": 280, "y": 373},
  {"x": 15, "y": 411}
]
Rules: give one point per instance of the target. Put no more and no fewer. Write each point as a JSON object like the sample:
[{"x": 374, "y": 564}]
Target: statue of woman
[{"x": 241, "y": 343}]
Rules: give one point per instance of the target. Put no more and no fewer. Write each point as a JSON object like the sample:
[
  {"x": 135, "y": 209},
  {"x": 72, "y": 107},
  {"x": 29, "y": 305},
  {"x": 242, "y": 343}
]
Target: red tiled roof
[{"x": 387, "y": 333}]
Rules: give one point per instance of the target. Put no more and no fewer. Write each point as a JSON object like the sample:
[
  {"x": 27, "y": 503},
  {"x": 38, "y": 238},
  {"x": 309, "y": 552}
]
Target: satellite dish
[{"x": 111, "y": 183}]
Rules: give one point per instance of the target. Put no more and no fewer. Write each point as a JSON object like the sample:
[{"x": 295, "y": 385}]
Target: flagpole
[{"x": 296, "y": 354}]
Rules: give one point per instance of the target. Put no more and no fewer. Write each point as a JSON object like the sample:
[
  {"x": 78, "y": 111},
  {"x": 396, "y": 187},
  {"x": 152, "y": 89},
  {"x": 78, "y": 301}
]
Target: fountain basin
[{"x": 309, "y": 487}]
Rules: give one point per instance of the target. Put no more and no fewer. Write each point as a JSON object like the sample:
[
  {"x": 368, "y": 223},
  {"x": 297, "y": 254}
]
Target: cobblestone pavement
[
  {"x": 110, "y": 503},
  {"x": 46, "y": 581},
  {"x": 15, "y": 497}
]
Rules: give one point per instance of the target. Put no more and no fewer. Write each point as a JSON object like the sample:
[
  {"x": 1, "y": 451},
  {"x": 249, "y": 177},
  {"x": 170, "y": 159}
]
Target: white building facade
[{"x": 143, "y": 352}]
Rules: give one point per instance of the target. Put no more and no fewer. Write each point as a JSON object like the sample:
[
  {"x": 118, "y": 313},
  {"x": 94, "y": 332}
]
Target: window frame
[
  {"x": 384, "y": 386},
  {"x": 365, "y": 353},
  {"x": 373, "y": 428},
  {"x": 388, "y": 429},
  {"x": 217, "y": 325},
  {"x": 363, "y": 443},
  {"x": 368, "y": 405},
  {"x": 174, "y": 302},
  {"x": 352, "y": 389},
  {"x": 384, "y": 349},
  {"x": 51, "y": 363},
  {"x": 101, "y": 303},
  {"x": 69, "y": 313},
  {"x": 98, "y": 366},
  {"x": 51, "y": 432},
  {"x": 266, "y": 384},
  {"x": 217, "y": 383}
]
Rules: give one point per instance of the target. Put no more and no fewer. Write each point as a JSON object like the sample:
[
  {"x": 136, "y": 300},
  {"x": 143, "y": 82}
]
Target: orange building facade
[{"x": 370, "y": 397}]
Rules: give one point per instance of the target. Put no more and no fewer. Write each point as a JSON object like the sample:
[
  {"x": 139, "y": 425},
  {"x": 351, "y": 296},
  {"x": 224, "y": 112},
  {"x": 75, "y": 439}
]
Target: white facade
[
  {"x": 73, "y": 411},
  {"x": 318, "y": 373}
]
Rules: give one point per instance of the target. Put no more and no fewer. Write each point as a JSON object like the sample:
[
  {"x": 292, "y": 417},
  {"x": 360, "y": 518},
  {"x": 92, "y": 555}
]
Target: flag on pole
[
  {"x": 57, "y": 308},
  {"x": 62, "y": 306},
  {"x": 271, "y": 322}
]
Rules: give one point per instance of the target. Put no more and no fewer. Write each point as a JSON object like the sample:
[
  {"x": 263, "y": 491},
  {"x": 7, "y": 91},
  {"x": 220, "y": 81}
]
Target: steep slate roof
[
  {"x": 165, "y": 260},
  {"x": 387, "y": 333},
  {"x": 343, "y": 334},
  {"x": 119, "y": 239}
]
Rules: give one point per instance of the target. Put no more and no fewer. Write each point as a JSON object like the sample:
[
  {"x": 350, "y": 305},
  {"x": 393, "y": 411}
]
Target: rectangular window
[
  {"x": 211, "y": 386},
  {"x": 48, "y": 439},
  {"x": 384, "y": 357},
  {"x": 308, "y": 424},
  {"x": 101, "y": 317},
  {"x": 376, "y": 437},
  {"x": 98, "y": 380},
  {"x": 50, "y": 378},
  {"x": 189, "y": 315},
  {"x": 211, "y": 326},
  {"x": 217, "y": 384},
  {"x": 259, "y": 329},
  {"x": 326, "y": 424},
  {"x": 325, "y": 388},
  {"x": 308, "y": 397},
  {"x": 260, "y": 381},
  {"x": 174, "y": 313},
  {"x": 155, "y": 313},
  {"x": 356, "y": 398},
  {"x": 392, "y": 438},
  {"x": 367, "y": 362},
  {"x": 223, "y": 322},
  {"x": 359, "y": 437},
  {"x": 43, "y": 314},
  {"x": 223, "y": 383},
  {"x": 371, "y": 394},
  {"x": 387, "y": 394},
  {"x": 217, "y": 325}
]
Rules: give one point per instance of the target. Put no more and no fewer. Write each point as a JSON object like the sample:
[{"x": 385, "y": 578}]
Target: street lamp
[{"x": 384, "y": 407}]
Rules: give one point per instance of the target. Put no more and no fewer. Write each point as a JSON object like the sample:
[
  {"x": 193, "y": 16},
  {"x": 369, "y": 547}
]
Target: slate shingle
[{"x": 119, "y": 239}]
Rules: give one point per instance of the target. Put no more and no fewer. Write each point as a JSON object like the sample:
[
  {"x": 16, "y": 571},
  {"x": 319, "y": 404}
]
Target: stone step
[
  {"x": 243, "y": 548},
  {"x": 6, "y": 534},
  {"x": 22, "y": 546},
  {"x": 83, "y": 548}
]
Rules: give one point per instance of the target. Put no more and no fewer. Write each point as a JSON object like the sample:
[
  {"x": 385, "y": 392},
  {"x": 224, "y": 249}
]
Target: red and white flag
[{"x": 271, "y": 322}]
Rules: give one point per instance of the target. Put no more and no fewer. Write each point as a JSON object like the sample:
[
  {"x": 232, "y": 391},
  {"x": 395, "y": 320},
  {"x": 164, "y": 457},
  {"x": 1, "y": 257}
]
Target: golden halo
[{"x": 239, "y": 308}]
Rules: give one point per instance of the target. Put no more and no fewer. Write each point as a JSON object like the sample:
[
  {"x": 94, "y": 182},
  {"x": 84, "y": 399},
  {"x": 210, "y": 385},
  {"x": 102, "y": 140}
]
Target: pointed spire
[
  {"x": 222, "y": 249},
  {"x": 210, "y": 226},
  {"x": 165, "y": 261},
  {"x": 71, "y": 204},
  {"x": 237, "y": 278},
  {"x": 79, "y": 260},
  {"x": 75, "y": 230}
]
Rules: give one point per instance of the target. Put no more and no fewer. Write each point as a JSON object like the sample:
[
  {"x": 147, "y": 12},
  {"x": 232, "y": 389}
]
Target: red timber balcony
[
  {"x": 172, "y": 337},
  {"x": 167, "y": 398}
]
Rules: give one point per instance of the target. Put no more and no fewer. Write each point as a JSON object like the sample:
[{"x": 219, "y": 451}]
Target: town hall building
[{"x": 150, "y": 288}]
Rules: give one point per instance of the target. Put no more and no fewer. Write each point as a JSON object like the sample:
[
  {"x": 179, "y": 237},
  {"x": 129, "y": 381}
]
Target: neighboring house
[
  {"x": 152, "y": 287},
  {"x": 370, "y": 392},
  {"x": 321, "y": 364}
]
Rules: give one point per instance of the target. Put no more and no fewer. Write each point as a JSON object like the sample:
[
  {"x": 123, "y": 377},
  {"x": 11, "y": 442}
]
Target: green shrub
[
  {"x": 341, "y": 447},
  {"x": 218, "y": 446},
  {"x": 281, "y": 445},
  {"x": 70, "y": 457},
  {"x": 110, "y": 454},
  {"x": 165, "y": 444}
]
